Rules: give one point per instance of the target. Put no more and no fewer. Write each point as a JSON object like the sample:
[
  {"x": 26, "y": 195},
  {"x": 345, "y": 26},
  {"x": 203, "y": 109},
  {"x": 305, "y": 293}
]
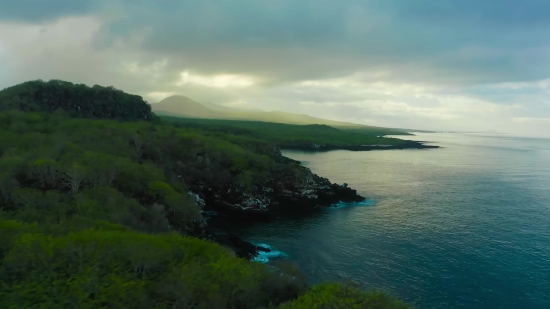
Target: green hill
[
  {"x": 181, "y": 106},
  {"x": 77, "y": 100}
]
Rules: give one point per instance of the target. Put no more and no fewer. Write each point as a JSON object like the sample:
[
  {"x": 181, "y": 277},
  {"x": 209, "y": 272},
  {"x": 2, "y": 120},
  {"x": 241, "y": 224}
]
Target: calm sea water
[{"x": 464, "y": 226}]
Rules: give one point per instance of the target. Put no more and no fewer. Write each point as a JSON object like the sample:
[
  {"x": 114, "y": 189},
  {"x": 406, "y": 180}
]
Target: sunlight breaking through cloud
[{"x": 216, "y": 81}]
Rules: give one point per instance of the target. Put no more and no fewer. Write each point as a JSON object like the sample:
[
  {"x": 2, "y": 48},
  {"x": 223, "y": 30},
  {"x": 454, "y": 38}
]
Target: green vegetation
[
  {"x": 288, "y": 135},
  {"x": 76, "y": 99},
  {"x": 107, "y": 267},
  {"x": 111, "y": 267},
  {"x": 377, "y": 131},
  {"x": 344, "y": 296},
  {"x": 95, "y": 213}
]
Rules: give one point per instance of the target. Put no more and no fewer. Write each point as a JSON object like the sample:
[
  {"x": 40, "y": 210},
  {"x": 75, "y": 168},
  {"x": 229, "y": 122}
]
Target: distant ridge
[
  {"x": 182, "y": 106},
  {"x": 217, "y": 107},
  {"x": 185, "y": 107}
]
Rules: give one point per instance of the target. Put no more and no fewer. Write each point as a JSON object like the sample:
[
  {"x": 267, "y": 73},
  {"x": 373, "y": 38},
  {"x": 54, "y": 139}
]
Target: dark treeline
[
  {"x": 96, "y": 213},
  {"x": 77, "y": 100}
]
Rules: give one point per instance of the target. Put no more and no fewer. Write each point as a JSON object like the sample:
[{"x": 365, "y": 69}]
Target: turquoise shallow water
[{"x": 464, "y": 226}]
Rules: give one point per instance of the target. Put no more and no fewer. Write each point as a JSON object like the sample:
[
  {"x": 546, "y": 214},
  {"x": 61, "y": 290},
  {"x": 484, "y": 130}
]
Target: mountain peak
[{"x": 179, "y": 105}]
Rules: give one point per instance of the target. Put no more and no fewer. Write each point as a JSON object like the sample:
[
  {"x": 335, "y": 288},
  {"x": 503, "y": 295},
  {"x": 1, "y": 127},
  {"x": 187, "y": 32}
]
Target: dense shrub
[
  {"x": 108, "y": 268},
  {"x": 343, "y": 296}
]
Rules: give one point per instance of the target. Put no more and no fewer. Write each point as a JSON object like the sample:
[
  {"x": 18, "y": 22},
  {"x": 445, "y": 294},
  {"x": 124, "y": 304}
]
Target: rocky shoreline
[
  {"x": 327, "y": 147},
  {"x": 277, "y": 199}
]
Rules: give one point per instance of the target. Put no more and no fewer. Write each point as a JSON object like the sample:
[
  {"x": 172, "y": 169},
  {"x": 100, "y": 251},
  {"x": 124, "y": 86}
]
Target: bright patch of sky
[{"x": 216, "y": 81}]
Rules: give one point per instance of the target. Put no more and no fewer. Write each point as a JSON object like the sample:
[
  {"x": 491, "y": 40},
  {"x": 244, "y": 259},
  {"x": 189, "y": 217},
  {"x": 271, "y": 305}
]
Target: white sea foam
[
  {"x": 341, "y": 205},
  {"x": 264, "y": 257}
]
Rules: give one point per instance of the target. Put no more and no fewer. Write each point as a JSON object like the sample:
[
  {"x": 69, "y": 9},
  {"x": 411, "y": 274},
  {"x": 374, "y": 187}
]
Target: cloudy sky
[{"x": 476, "y": 65}]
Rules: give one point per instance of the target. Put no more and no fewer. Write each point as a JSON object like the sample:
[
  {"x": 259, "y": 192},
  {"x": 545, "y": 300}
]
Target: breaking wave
[
  {"x": 341, "y": 205},
  {"x": 264, "y": 257}
]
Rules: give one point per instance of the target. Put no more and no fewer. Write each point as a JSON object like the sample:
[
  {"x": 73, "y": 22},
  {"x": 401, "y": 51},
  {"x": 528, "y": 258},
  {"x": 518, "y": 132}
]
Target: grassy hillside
[
  {"x": 180, "y": 106},
  {"x": 286, "y": 135}
]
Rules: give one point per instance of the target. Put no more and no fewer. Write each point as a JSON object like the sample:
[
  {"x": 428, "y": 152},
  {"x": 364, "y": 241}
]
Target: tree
[
  {"x": 10, "y": 168},
  {"x": 102, "y": 168},
  {"x": 74, "y": 177},
  {"x": 138, "y": 145},
  {"x": 8, "y": 184},
  {"x": 46, "y": 172}
]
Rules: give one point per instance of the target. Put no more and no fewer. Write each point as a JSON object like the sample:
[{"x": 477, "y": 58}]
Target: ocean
[{"x": 463, "y": 226}]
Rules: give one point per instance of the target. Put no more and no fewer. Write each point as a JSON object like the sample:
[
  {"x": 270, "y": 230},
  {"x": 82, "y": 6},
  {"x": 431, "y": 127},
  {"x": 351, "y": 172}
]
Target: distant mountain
[
  {"x": 182, "y": 106},
  {"x": 217, "y": 107},
  {"x": 185, "y": 107}
]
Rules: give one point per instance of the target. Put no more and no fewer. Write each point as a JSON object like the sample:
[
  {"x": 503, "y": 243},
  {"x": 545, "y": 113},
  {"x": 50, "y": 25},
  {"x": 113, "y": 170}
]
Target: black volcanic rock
[
  {"x": 242, "y": 249},
  {"x": 283, "y": 196},
  {"x": 279, "y": 197}
]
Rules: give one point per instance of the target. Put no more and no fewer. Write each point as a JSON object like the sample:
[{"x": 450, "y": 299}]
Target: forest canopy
[{"x": 78, "y": 100}]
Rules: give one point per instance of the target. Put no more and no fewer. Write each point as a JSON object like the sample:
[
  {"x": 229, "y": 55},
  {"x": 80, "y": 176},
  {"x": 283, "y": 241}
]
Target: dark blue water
[{"x": 464, "y": 226}]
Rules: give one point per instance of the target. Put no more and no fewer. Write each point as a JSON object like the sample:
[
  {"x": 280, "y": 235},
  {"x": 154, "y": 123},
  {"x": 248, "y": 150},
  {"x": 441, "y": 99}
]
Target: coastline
[
  {"x": 324, "y": 148},
  {"x": 319, "y": 194},
  {"x": 315, "y": 194}
]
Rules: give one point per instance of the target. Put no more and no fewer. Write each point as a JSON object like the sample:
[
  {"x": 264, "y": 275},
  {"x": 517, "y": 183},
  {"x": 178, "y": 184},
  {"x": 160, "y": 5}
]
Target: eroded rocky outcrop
[
  {"x": 282, "y": 195},
  {"x": 195, "y": 197},
  {"x": 284, "y": 200},
  {"x": 299, "y": 192}
]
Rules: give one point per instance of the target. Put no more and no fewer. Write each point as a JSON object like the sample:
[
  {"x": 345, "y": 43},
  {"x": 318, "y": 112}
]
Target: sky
[{"x": 452, "y": 65}]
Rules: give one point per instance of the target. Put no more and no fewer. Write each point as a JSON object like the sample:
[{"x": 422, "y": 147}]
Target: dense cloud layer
[{"x": 427, "y": 64}]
